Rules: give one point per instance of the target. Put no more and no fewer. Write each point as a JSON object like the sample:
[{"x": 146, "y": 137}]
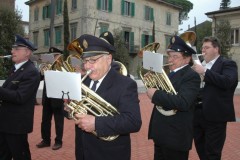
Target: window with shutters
[
  {"x": 128, "y": 8},
  {"x": 168, "y": 19},
  {"x": 104, "y": 5},
  {"x": 148, "y": 13},
  {"x": 46, "y": 11},
  {"x": 129, "y": 40},
  {"x": 146, "y": 39}
]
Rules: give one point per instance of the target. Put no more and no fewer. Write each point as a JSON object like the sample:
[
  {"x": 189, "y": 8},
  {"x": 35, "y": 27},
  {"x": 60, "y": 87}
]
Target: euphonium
[
  {"x": 157, "y": 80},
  {"x": 189, "y": 38},
  {"x": 91, "y": 102},
  {"x": 94, "y": 104}
]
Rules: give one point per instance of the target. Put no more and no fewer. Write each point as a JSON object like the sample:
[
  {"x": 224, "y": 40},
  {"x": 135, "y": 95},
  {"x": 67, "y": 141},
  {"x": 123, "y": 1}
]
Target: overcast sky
[{"x": 200, "y": 7}]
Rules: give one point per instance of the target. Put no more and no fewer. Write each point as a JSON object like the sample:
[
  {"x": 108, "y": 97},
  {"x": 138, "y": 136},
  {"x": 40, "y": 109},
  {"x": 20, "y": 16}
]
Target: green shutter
[
  {"x": 131, "y": 43},
  {"x": 122, "y": 7},
  {"x": 151, "y": 16},
  {"x": 133, "y": 9},
  {"x": 98, "y": 4},
  {"x": 48, "y": 14},
  {"x": 145, "y": 12},
  {"x": 43, "y": 13},
  {"x": 110, "y": 6},
  {"x": 143, "y": 40},
  {"x": 151, "y": 39},
  {"x": 61, "y": 7}
]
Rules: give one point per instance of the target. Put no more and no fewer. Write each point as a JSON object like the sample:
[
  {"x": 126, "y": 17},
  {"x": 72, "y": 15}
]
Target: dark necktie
[
  {"x": 170, "y": 75},
  {"x": 12, "y": 70},
  {"x": 94, "y": 85}
]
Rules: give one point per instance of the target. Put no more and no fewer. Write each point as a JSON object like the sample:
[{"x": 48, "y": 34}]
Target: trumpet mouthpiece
[{"x": 7, "y": 56}]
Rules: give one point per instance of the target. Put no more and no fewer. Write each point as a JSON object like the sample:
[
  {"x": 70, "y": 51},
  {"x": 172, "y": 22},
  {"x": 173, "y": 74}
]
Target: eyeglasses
[
  {"x": 206, "y": 48},
  {"x": 91, "y": 60},
  {"x": 173, "y": 57},
  {"x": 18, "y": 48}
]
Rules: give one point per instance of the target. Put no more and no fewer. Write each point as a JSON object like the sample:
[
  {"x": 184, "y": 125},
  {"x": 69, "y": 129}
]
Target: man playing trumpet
[{"x": 173, "y": 135}]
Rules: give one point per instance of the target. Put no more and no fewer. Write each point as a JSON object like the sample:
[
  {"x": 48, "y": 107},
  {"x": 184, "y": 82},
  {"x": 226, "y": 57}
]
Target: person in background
[
  {"x": 17, "y": 100},
  {"x": 52, "y": 107},
  {"x": 173, "y": 135},
  {"x": 108, "y": 37},
  {"x": 215, "y": 105},
  {"x": 118, "y": 90}
]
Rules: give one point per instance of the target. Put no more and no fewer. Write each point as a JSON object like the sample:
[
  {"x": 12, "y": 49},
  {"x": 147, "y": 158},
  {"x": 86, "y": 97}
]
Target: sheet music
[
  {"x": 63, "y": 85},
  {"x": 152, "y": 61}
]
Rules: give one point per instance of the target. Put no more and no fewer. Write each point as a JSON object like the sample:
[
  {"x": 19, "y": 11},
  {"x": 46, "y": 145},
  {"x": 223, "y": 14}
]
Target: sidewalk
[{"x": 142, "y": 148}]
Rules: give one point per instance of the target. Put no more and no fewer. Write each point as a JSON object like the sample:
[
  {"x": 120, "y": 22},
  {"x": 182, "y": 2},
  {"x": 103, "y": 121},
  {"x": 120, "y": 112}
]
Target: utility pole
[{"x": 52, "y": 21}]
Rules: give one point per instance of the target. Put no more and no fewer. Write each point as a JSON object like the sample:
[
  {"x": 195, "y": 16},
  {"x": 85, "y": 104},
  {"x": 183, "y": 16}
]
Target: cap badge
[
  {"x": 85, "y": 44},
  {"x": 106, "y": 34}
]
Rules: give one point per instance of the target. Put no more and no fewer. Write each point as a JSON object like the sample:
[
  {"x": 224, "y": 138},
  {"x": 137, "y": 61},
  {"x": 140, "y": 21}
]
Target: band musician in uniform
[
  {"x": 118, "y": 90},
  {"x": 173, "y": 135},
  {"x": 52, "y": 107},
  {"x": 215, "y": 106},
  {"x": 17, "y": 101}
]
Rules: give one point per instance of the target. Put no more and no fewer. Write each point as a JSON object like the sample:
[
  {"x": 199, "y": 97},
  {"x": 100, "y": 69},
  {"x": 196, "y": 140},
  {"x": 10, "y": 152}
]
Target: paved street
[{"x": 142, "y": 148}]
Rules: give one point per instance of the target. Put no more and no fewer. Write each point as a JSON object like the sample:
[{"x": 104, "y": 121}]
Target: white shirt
[{"x": 17, "y": 66}]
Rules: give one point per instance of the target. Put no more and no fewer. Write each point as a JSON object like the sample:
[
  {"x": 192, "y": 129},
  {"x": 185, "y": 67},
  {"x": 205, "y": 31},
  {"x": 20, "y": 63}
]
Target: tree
[
  {"x": 203, "y": 30},
  {"x": 225, "y": 4},
  {"x": 66, "y": 28},
  {"x": 121, "y": 50},
  {"x": 10, "y": 24},
  {"x": 186, "y": 5},
  {"x": 223, "y": 32}
]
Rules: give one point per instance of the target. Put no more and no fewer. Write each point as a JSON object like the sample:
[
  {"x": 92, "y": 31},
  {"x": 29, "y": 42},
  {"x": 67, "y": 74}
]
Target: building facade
[
  {"x": 233, "y": 16},
  {"x": 135, "y": 18}
]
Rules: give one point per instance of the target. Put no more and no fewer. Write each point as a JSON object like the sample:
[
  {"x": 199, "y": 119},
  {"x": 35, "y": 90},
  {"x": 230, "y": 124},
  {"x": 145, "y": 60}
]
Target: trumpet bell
[
  {"x": 153, "y": 47},
  {"x": 189, "y": 38},
  {"x": 75, "y": 46}
]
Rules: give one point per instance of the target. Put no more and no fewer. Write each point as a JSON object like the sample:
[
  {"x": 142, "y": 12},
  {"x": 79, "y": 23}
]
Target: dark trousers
[
  {"x": 162, "y": 153},
  {"x": 14, "y": 146},
  {"x": 209, "y": 137},
  {"x": 48, "y": 112}
]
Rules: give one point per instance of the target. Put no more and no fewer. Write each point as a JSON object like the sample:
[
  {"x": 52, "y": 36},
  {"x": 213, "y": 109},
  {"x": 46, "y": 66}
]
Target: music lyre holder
[{"x": 67, "y": 93}]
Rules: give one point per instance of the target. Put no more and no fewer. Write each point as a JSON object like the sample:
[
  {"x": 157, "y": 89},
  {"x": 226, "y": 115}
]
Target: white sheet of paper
[
  {"x": 152, "y": 61},
  {"x": 67, "y": 82}
]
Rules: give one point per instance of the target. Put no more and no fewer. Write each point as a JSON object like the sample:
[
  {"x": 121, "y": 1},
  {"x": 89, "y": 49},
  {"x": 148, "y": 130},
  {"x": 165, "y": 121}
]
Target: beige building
[
  {"x": 233, "y": 16},
  {"x": 133, "y": 17}
]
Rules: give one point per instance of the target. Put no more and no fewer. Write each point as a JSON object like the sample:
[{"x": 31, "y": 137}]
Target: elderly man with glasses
[
  {"x": 17, "y": 100},
  {"x": 118, "y": 90}
]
